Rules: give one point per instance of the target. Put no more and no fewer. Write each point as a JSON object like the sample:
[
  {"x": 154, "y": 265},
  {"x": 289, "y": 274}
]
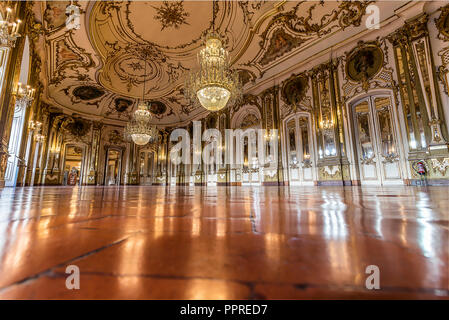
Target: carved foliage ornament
[
  {"x": 115, "y": 137},
  {"x": 442, "y": 24},
  {"x": 280, "y": 43},
  {"x": 303, "y": 28},
  {"x": 441, "y": 165},
  {"x": 171, "y": 14},
  {"x": 76, "y": 127},
  {"x": 346, "y": 14}
]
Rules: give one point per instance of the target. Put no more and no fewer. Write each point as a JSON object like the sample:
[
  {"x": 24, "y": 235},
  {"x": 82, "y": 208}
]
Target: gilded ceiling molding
[
  {"x": 249, "y": 8},
  {"x": 66, "y": 58},
  {"x": 166, "y": 20},
  {"x": 292, "y": 29},
  {"x": 171, "y": 14}
]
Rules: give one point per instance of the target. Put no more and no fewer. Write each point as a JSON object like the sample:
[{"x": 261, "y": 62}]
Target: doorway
[
  {"x": 73, "y": 161},
  {"x": 299, "y": 149},
  {"x": 376, "y": 141},
  {"x": 146, "y": 167},
  {"x": 113, "y": 167}
]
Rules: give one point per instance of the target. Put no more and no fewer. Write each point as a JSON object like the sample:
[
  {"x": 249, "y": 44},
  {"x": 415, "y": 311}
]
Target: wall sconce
[
  {"x": 24, "y": 93},
  {"x": 39, "y": 138},
  {"x": 34, "y": 125},
  {"x": 327, "y": 126},
  {"x": 9, "y": 31}
]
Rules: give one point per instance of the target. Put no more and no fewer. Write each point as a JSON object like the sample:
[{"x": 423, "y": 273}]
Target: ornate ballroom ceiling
[{"x": 97, "y": 71}]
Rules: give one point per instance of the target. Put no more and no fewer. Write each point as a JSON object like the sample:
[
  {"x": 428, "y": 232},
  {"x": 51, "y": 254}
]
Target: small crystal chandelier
[
  {"x": 8, "y": 30},
  {"x": 139, "y": 128},
  {"x": 24, "y": 93},
  {"x": 214, "y": 85}
]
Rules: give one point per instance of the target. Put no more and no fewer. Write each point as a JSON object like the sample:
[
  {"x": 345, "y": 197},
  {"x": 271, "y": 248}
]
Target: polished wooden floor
[{"x": 224, "y": 243}]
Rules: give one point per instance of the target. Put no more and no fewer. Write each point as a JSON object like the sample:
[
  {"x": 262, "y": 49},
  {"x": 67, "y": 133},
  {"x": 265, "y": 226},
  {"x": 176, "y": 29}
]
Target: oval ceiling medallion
[
  {"x": 87, "y": 92},
  {"x": 122, "y": 104},
  {"x": 157, "y": 107},
  {"x": 364, "y": 62}
]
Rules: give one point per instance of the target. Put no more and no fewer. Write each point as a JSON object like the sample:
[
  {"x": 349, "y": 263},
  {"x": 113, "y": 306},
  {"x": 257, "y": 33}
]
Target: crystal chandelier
[
  {"x": 24, "y": 93},
  {"x": 214, "y": 85},
  {"x": 139, "y": 128},
  {"x": 8, "y": 30}
]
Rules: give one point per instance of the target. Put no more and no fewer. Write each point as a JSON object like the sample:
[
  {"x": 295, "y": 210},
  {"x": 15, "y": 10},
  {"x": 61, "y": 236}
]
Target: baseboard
[{"x": 429, "y": 182}]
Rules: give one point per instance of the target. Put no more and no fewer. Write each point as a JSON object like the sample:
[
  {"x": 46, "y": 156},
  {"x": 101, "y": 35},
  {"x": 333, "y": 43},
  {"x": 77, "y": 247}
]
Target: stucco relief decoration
[
  {"x": 330, "y": 172},
  {"x": 440, "y": 165},
  {"x": 171, "y": 14},
  {"x": 246, "y": 76},
  {"x": 135, "y": 64},
  {"x": 280, "y": 43},
  {"x": 442, "y": 24},
  {"x": 304, "y": 24},
  {"x": 115, "y": 137},
  {"x": 67, "y": 60},
  {"x": 75, "y": 128}
]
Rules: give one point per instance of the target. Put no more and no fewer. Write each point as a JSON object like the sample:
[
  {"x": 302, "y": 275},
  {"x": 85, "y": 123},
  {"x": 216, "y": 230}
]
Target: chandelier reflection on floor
[
  {"x": 139, "y": 128},
  {"x": 214, "y": 85}
]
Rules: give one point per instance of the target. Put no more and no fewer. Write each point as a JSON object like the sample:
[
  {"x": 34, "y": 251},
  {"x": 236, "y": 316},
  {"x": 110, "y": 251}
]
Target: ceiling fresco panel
[{"x": 122, "y": 45}]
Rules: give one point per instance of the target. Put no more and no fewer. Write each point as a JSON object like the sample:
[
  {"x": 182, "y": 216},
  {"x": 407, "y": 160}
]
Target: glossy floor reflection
[{"x": 224, "y": 243}]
